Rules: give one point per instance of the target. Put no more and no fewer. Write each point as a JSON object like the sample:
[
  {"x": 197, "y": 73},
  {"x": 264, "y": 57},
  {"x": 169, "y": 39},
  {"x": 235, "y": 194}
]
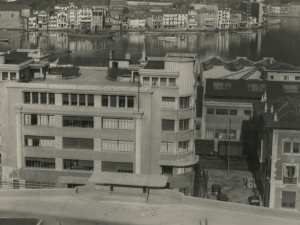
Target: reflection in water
[{"x": 278, "y": 41}]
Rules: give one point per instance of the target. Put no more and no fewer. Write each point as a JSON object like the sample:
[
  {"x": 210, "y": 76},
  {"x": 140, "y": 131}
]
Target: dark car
[{"x": 254, "y": 200}]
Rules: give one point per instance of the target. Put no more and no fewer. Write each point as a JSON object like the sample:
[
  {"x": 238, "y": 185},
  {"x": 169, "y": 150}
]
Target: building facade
[
  {"x": 207, "y": 18},
  {"x": 14, "y": 16},
  {"x": 174, "y": 19},
  {"x": 294, "y": 9},
  {"x": 223, "y": 18},
  {"x": 155, "y": 20}
]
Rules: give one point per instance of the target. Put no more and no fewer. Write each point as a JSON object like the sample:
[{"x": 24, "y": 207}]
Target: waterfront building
[
  {"x": 52, "y": 23},
  {"x": 113, "y": 23},
  {"x": 223, "y": 18},
  {"x": 173, "y": 19},
  {"x": 98, "y": 18},
  {"x": 62, "y": 18},
  {"x": 136, "y": 22},
  {"x": 274, "y": 8},
  {"x": 84, "y": 17},
  {"x": 207, "y": 18},
  {"x": 253, "y": 10},
  {"x": 43, "y": 17},
  {"x": 236, "y": 17},
  {"x": 279, "y": 149},
  {"x": 14, "y": 16},
  {"x": 124, "y": 23},
  {"x": 192, "y": 19},
  {"x": 72, "y": 16},
  {"x": 279, "y": 71},
  {"x": 155, "y": 20},
  {"x": 33, "y": 21},
  {"x": 294, "y": 9},
  {"x": 60, "y": 125},
  {"x": 203, "y": 6}
]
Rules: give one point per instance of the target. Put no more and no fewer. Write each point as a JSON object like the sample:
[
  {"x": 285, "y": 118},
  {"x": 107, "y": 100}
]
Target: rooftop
[
  {"x": 158, "y": 65},
  {"x": 16, "y": 58},
  {"x": 248, "y": 89},
  {"x": 88, "y": 76},
  {"x": 280, "y": 66},
  {"x": 208, "y": 64},
  {"x": 286, "y": 109},
  {"x": 6, "y": 7}
]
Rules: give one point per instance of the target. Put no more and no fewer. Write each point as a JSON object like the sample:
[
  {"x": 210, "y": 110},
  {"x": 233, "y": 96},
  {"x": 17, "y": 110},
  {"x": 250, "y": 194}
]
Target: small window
[
  {"x": 163, "y": 81},
  {"x": 35, "y": 98},
  {"x": 26, "y": 97},
  {"x": 130, "y": 102},
  {"x": 168, "y": 102},
  {"x": 184, "y": 125},
  {"x": 167, "y": 147},
  {"x": 168, "y": 125},
  {"x": 297, "y": 77},
  {"x": 296, "y": 147},
  {"x": 183, "y": 146},
  {"x": 4, "y": 76},
  {"x": 184, "y": 102},
  {"x": 287, "y": 147},
  {"x": 221, "y": 133},
  {"x": 167, "y": 170},
  {"x": 65, "y": 98},
  {"x": 154, "y": 81},
  {"x": 210, "y": 111},
  {"x": 104, "y": 100},
  {"x": 51, "y": 98},
  {"x": 288, "y": 199},
  {"x": 233, "y": 112},
  {"x": 232, "y": 134},
  {"x": 286, "y": 77},
  {"x": 90, "y": 100},
  {"x": 256, "y": 87},
  {"x": 146, "y": 81},
  {"x": 82, "y": 100},
  {"x": 43, "y": 98},
  {"x": 210, "y": 133},
  {"x": 172, "y": 82},
  {"x": 13, "y": 76},
  {"x": 113, "y": 101},
  {"x": 122, "y": 101},
  {"x": 221, "y": 111},
  {"x": 73, "y": 99}
]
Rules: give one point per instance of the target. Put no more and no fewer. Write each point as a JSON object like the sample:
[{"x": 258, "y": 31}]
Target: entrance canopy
[{"x": 129, "y": 179}]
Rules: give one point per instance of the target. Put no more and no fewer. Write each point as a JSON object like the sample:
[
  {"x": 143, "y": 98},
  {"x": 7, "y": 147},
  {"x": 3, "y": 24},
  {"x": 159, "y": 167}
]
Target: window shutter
[
  {"x": 86, "y": 143},
  {"x": 70, "y": 143},
  {"x": 109, "y": 166},
  {"x": 125, "y": 166}
]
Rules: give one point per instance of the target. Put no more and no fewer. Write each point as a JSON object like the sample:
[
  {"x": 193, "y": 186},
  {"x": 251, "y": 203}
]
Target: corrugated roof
[
  {"x": 127, "y": 179},
  {"x": 210, "y": 63}
]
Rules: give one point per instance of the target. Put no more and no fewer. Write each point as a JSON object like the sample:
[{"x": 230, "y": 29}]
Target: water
[{"x": 279, "y": 41}]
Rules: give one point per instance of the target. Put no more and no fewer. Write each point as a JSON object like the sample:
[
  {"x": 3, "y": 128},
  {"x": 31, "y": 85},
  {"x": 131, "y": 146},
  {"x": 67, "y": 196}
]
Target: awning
[{"x": 128, "y": 179}]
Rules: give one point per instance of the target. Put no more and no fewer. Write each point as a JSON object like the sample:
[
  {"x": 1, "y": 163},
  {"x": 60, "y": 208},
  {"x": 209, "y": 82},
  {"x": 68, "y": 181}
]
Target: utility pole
[
  {"x": 228, "y": 153},
  {"x": 68, "y": 36}
]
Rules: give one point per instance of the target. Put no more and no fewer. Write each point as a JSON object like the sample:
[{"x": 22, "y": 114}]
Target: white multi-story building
[
  {"x": 72, "y": 16},
  {"x": 223, "y": 18},
  {"x": 192, "y": 19},
  {"x": 52, "y": 23},
  {"x": 175, "y": 19},
  {"x": 84, "y": 17},
  {"x": 33, "y": 21}
]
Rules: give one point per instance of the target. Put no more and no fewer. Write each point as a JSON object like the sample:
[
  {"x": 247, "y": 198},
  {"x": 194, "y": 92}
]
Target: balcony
[{"x": 290, "y": 180}]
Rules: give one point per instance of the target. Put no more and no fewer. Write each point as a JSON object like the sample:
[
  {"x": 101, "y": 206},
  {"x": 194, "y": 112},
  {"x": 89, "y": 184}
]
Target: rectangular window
[
  {"x": 154, "y": 81},
  {"x": 82, "y": 100},
  {"x": 297, "y": 77},
  {"x": 130, "y": 102},
  {"x": 48, "y": 163},
  {"x": 256, "y": 87},
  {"x": 113, "y": 101},
  {"x": 124, "y": 124},
  {"x": 90, "y": 100},
  {"x": 116, "y": 145},
  {"x": 4, "y": 76},
  {"x": 221, "y": 133},
  {"x": 43, "y": 98},
  {"x": 146, "y": 81},
  {"x": 163, "y": 81},
  {"x": 222, "y": 86},
  {"x": 172, "y": 82},
  {"x": 221, "y": 111},
  {"x": 73, "y": 99},
  {"x": 35, "y": 97},
  {"x": 105, "y": 100},
  {"x": 210, "y": 133},
  {"x": 74, "y": 121},
  {"x": 288, "y": 199},
  {"x": 233, "y": 112},
  {"x": 167, "y": 170},
  {"x": 291, "y": 88},
  {"x": 210, "y": 111},
  {"x": 247, "y": 113},
  {"x": 168, "y": 102},
  {"x": 39, "y": 141},
  {"x": 167, "y": 125},
  {"x": 13, "y": 76},
  {"x": 232, "y": 134},
  {"x": 183, "y": 146},
  {"x": 117, "y": 167},
  {"x": 122, "y": 101},
  {"x": 184, "y": 125},
  {"x": 74, "y": 164},
  {"x": 296, "y": 147},
  {"x": 65, "y": 99},
  {"x": 184, "y": 102},
  {"x": 78, "y": 143},
  {"x": 26, "y": 97},
  {"x": 167, "y": 147},
  {"x": 51, "y": 98}
]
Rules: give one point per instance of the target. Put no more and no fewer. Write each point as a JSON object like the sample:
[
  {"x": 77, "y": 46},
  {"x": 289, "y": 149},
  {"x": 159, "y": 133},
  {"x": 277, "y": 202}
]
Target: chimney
[
  {"x": 266, "y": 107},
  {"x": 111, "y": 54},
  {"x": 272, "y": 109},
  {"x": 127, "y": 56},
  {"x": 275, "y": 118},
  {"x": 2, "y": 57}
]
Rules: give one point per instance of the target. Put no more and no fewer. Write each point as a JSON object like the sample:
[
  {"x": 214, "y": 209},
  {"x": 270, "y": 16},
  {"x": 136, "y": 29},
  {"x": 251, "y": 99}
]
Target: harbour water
[{"x": 279, "y": 41}]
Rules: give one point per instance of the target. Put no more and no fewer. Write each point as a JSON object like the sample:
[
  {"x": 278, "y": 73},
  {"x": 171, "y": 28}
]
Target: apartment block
[
  {"x": 279, "y": 151},
  {"x": 59, "y": 129},
  {"x": 173, "y": 19},
  {"x": 14, "y": 16},
  {"x": 279, "y": 71},
  {"x": 207, "y": 18}
]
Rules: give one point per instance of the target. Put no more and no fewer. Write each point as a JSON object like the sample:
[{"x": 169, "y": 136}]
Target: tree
[{"x": 125, "y": 10}]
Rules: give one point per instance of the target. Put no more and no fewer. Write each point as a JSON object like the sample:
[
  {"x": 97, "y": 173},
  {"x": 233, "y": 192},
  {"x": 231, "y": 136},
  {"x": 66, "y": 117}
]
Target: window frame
[{"x": 167, "y": 121}]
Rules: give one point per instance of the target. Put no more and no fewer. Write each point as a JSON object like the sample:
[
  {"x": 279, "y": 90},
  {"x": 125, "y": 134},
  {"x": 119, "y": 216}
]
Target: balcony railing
[{"x": 290, "y": 180}]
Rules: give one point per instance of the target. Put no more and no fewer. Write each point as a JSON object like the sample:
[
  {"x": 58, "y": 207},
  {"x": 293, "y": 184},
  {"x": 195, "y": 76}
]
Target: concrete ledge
[
  {"x": 36, "y": 193},
  {"x": 164, "y": 197}
]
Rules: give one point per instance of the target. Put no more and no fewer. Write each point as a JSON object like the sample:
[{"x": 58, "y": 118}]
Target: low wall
[{"x": 38, "y": 193}]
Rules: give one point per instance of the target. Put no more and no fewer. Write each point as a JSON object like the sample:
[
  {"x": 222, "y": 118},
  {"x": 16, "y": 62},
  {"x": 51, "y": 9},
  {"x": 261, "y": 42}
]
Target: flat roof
[
  {"x": 88, "y": 76},
  {"x": 158, "y": 65},
  {"x": 16, "y": 58},
  {"x": 129, "y": 179}
]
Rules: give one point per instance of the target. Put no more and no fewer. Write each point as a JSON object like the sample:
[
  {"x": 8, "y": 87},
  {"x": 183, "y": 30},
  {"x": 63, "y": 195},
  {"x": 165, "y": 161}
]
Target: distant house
[
  {"x": 155, "y": 20},
  {"x": 277, "y": 71},
  {"x": 136, "y": 22},
  {"x": 113, "y": 23},
  {"x": 14, "y": 16}
]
